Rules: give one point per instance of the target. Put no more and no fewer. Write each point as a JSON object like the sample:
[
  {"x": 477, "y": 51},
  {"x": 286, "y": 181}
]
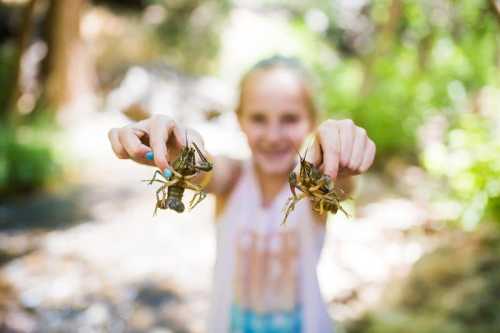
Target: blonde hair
[{"x": 292, "y": 64}]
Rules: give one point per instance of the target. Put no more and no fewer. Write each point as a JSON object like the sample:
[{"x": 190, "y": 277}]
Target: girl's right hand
[{"x": 159, "y": 134}]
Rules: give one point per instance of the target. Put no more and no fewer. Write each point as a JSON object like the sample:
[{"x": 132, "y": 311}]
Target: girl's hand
[
  {"x": 342, "y": 149},
  {"x": 158, "y": 134}
]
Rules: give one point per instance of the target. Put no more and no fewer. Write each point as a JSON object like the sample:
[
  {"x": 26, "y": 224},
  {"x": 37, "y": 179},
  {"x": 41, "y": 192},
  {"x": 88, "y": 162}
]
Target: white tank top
[{"x": 263, "y": 266}]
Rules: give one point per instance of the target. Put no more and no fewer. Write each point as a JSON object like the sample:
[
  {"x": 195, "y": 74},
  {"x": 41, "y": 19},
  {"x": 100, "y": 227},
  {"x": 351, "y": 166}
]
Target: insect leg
[
  {"x": 150, "y": 181},
  {"x": 199, "y": 195},
  {"x": 205, "y": 165},
  {"x": 158, "y": 200},
  {"x": 178, "y": 175},
  {"x": 303, "y": 189},
  {"x": 292, "y": 181},
  {"x": 343, "y": 211},
  {"x": 316, "y": 187},
  {"x": 170, "y": 183},
  {"x": 154, "y": 177},
  {"x": 197, "y": 198},
  {"x": 192, "y": 186},
  {"x": 290, "y": 205},
  {"x": 321, "y": 206}
]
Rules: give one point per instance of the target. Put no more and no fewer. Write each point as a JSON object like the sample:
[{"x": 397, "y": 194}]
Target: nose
[{"x": 275, "y": 133}]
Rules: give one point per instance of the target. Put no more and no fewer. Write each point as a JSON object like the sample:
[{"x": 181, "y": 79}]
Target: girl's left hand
[{"x": 342, "y": 149}]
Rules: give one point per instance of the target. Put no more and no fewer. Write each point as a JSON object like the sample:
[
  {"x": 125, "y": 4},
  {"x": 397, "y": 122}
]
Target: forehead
[{"x": 271, "y": 89}]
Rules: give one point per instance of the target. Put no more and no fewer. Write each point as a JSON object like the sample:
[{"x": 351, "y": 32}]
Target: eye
[
  {"x": 257, "y": 118},
  {"x": 290, "y": 118}
]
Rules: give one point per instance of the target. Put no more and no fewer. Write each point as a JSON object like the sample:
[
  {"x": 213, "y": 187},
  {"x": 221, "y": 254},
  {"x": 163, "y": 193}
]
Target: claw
[{"x": 292, "y": 180}]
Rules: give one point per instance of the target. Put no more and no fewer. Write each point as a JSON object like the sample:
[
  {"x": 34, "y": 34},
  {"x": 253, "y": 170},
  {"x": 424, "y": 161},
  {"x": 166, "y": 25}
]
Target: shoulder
[{"x": 234, "y": 170}]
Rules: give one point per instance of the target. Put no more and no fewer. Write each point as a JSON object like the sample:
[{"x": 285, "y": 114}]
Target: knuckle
[
  {"x": 347, "y": 122},
  {"x": 161, "y": 161},
  {"x": 324, "y": 129},
  {"x": 122, "y": 131},
  {"x": 327, "y": 125},
  {"x": 122, "y": 155},
  {"x": 169, "y": 122},
  {"x": 111, "y": 133},
  {"x": 136, "y": 153},
  {"x": 119, "y": 152}
]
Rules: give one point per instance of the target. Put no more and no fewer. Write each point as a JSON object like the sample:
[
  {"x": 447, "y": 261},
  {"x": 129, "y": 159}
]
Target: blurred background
[{"x": 79, "y": 248}]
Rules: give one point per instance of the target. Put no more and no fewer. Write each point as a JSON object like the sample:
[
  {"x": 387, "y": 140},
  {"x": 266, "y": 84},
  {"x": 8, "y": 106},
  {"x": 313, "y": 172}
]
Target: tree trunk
[
  {"x": 384, "y": 40},
  {"x": 63, "y": 38},
  {"x": 22, "y": 42}
]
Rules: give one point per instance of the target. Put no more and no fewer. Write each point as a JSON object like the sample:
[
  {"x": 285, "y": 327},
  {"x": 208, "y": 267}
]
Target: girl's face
[{"x": 275, "y": 118}]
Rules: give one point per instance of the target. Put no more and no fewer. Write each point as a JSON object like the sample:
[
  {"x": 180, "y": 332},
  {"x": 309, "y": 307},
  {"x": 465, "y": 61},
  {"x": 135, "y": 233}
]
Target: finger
[
  {"x": 313, "y": 153},
  {"x": 134, "y": 147},
  {"x": 117, "y": 147},
  {"x": 347, "y": 131},
  {"x": 368, "y": 157},
  {"x": 140, "y": 130},
  {"x": 192, "y": 136},
  {"x": 181, "y": 136},
  {"x": 329, "y": 139},
  {"x": 358, "y": 148},
  {"x": 160, "y": 132}
]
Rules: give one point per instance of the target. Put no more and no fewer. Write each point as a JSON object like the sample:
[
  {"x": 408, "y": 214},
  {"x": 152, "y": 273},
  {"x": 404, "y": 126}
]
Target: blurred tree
[
  {"x": 63, "y": 34},
  {"x": 391, "y": 64},
  {"x": 133, "y": 5},
  {"x": 23, "y": 40},
  {"x": 189, "y": 32},
  {"x": 26, "y": 157}
]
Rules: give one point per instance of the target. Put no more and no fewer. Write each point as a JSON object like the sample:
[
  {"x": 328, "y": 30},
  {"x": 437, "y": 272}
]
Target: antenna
[{"x": 305, "y": 154}]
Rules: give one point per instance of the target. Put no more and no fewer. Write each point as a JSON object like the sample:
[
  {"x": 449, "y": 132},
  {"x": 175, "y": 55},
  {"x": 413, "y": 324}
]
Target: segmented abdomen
[{"x": 174, "y": 198}]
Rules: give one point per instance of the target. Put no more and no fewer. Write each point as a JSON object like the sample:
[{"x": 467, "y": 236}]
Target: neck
[{"x": 270, "y": 185}]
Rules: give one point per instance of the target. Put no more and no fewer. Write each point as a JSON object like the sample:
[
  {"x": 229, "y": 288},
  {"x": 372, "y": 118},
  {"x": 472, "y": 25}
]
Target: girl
[{"x": 265, "y": 273}]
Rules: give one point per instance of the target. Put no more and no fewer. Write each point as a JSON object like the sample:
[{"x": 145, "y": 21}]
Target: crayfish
[
  {"x": 183, "y": 169},
  {"x": 318, "y": 187}
]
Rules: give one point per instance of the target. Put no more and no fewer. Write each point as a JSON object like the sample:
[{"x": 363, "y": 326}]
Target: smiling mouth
[{"x": 276, "y": 153}]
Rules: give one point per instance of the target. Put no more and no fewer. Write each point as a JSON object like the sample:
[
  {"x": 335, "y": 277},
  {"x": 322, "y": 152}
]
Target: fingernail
[
  {"x": 150, "y": 156},
  {"x": 167, "y": 173}
]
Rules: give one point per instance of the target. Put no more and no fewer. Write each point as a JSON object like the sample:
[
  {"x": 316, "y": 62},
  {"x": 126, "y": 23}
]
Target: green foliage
[
  {"x": 469, "y": 160},
  {"x": 389, "y": 102},
  {"x": 27, "y": 161},
  {"x": 419, "y": 59},
  {"x": 189, "y": 33},
  {"x": 439, "y": 297}
]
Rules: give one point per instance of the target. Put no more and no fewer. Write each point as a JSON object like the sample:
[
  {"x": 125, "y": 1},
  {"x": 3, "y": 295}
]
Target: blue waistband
[{"x": 245, "y": 320}]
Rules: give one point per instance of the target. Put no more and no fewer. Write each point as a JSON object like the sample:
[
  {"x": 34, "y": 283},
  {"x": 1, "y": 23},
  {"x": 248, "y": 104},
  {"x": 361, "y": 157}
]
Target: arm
[
  {"x": 165, "y": 138},
  {"x": 348, "y": 185}
]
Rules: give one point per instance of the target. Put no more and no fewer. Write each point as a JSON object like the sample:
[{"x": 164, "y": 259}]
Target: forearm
[
  {"x": 347, "y": 184},
  {"x": 224, "y": 174}
]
